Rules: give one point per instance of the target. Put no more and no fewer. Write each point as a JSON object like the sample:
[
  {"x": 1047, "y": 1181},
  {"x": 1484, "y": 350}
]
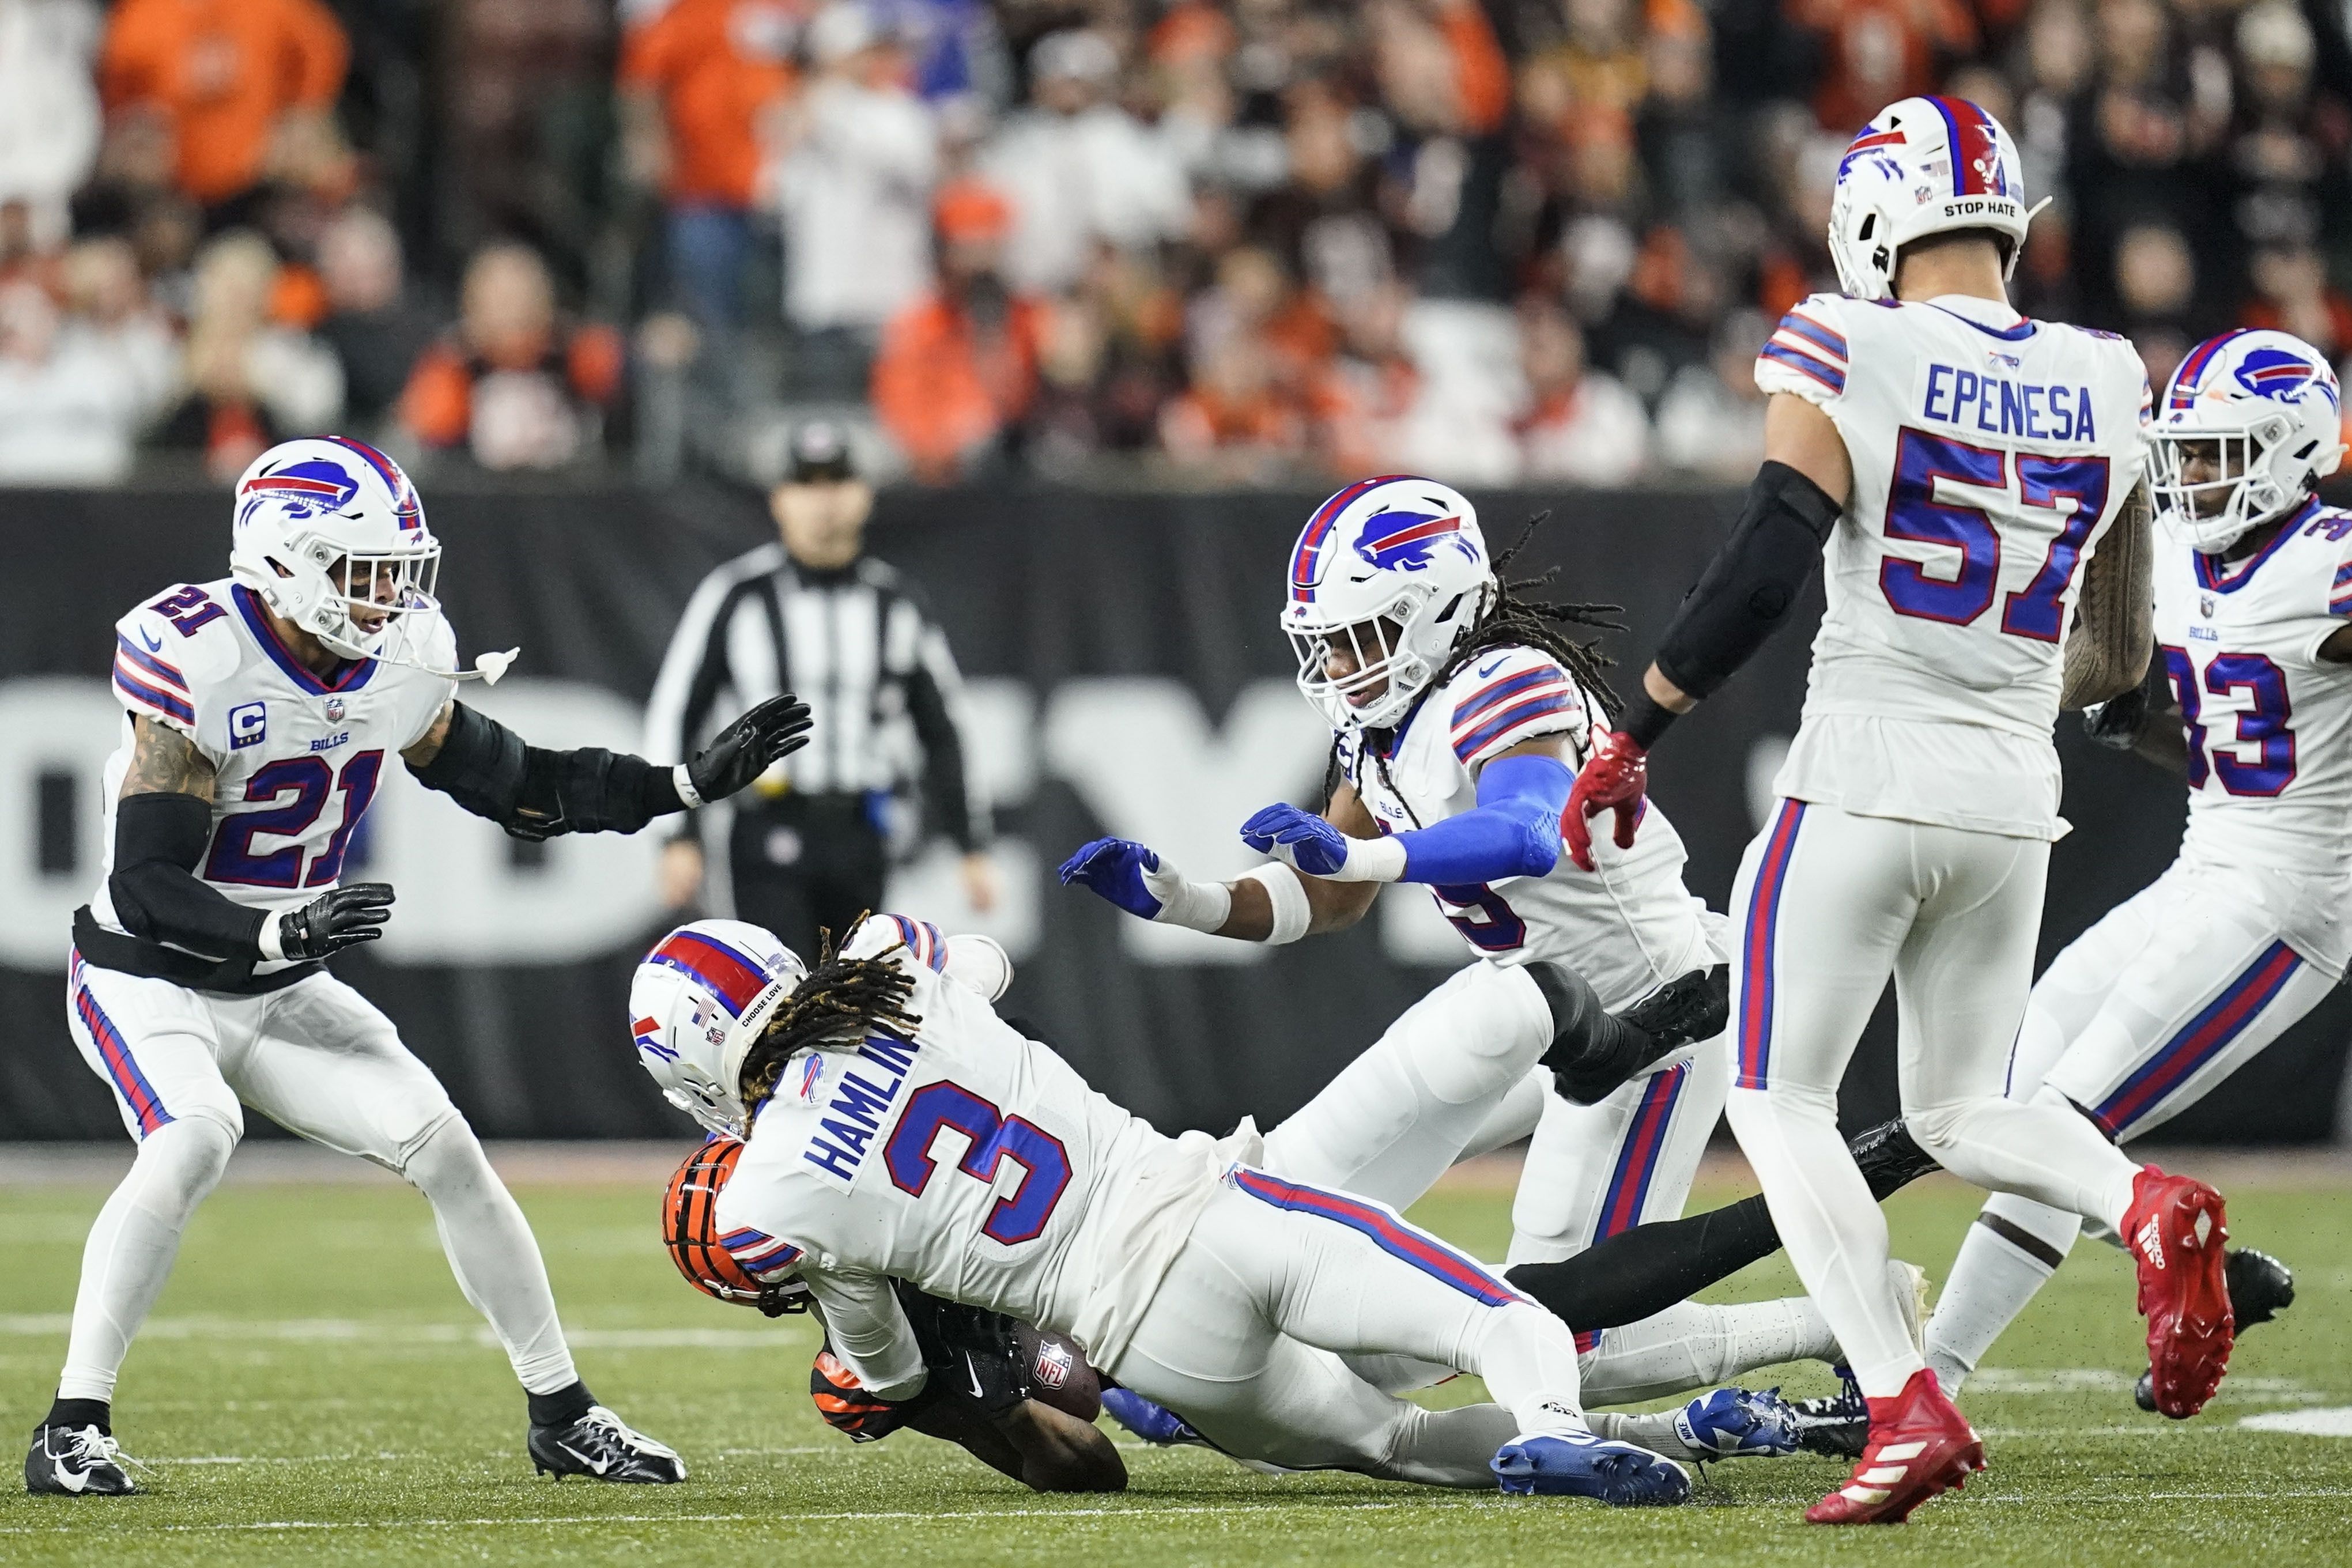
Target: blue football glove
[
  {"x": 1121, "y": 870},
  {"x": 1300, "y": 840}
]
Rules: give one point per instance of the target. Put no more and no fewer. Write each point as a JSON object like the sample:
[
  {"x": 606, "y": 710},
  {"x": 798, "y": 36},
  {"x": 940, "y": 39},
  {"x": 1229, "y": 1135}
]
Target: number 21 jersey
[
  {"x": 1990, "y": 453},
  {"x": 297, "y": 759}
]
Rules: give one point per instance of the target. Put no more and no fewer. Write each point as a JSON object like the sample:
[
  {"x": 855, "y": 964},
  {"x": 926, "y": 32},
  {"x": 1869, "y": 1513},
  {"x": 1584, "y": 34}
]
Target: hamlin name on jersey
[
  {"x": 964, "y": 1158},
  {"x": 2269, "y": 721},
  {"x": 1627, "y": 929},
  {"x": 1990, "y": 453},
  {"x": 297, "y": 759}
]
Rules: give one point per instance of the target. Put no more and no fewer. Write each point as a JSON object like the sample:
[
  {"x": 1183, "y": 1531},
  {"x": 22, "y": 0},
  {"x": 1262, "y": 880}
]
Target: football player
[
  {"x": 1459, "y": 711},
  {"x": 259, "y": 711},
  {"x": 2151, "y": 1009},
  {"x": 1973, "y": 477},
  {"x": 896, "y": 1130}
]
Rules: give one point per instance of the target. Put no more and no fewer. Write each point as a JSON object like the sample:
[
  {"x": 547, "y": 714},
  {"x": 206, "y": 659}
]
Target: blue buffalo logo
[
  {"x": 2277, "y": 374},
  {"x": 304, "y": 489},
  {"x": 1407, "y": 540}
]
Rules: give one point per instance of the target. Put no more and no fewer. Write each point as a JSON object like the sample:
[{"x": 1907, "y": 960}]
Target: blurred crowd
[{"x": 1255, "y": 241}]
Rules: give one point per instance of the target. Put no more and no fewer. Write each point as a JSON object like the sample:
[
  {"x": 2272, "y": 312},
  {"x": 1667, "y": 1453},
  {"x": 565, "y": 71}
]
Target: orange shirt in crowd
[
  {"x": 437, "y": 406},
  {"x": 716, "y": 64},
  {"x": 941, "y": 391},
  {"x": 1877, "y": 51},
  {"x": 222, "y": 72},
  {"x": 1482, "y": 76}
]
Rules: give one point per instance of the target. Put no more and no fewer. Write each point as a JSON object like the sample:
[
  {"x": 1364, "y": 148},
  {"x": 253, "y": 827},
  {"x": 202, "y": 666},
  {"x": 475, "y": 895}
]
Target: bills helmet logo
[
  {"x": 306, "y": 489},
  {"x": 1406, "y": 541},
  {"x": 2277, "y": 374}
]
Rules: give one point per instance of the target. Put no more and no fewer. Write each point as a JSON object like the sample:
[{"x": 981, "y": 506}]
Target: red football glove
[{"x": 1615, "y": 777}]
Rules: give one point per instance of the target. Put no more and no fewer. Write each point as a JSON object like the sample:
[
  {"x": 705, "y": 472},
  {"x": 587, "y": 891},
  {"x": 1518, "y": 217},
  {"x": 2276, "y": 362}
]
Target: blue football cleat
[
  {"x": 1155, "y": 1424},
  {"x": 1582, "y": 1465},
  {"x": 1738, "y": 1424}
]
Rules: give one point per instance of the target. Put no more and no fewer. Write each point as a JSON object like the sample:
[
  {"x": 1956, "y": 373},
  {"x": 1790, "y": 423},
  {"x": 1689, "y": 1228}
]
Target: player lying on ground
[
  {"x": 713, "y": 969},
  {"x": 901, "y": 1130},
  {"x": 259, "y": 709},
  {"x": 1959, "y": 464},
  {"x": 2153, "y": 1007},
  {"x": 1018, "y": 1400},
  {"x": 1460, "y": 709}
]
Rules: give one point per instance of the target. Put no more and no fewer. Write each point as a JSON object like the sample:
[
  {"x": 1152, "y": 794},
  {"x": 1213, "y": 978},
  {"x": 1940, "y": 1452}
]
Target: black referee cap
[{"x": 821, "y": 454}]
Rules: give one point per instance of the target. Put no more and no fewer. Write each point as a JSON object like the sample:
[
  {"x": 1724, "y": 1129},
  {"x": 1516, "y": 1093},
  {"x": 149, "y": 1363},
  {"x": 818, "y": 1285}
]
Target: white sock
[
  {"x": 2013, "y": 1247},
  {"x": 132, "y": 1244},
  {"x": 1693, "y": 1345},
  {"x": 1528, "y": 1359},
  {"x": 493, "y": 1253}
]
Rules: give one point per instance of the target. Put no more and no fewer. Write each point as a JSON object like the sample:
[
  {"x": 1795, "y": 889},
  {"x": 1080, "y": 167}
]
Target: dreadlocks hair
[
  {"x": 834, "y": 1007},
  {"x": 1514, "y": 620}
]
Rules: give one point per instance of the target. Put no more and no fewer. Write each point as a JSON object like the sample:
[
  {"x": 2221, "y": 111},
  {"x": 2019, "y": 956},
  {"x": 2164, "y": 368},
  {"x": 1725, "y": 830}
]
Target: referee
[{"x": 813, "y": 613}]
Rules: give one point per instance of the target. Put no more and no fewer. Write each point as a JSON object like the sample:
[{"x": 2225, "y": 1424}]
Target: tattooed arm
[{"x": 166, "y": 762}]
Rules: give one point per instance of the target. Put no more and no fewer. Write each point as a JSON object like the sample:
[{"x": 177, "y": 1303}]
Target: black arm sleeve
[
  {"x": 1748, "y": 587},
  {"x": 159, "y": 840},
  {"x": 535, "y": 793}
]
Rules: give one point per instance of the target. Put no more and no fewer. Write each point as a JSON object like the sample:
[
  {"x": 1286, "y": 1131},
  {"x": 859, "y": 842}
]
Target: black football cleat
[
  {"x": 1889, "y": 1158},
  {"x": 601, "y": 1447},
  {"x": 1835, "y": 1426},
  {"x": 1593, "y": 1053},
  {"x": 2261, "y": 1287},
  {"x": 76, "y": 1461},
  {"x": 1685, "y": 1010}
]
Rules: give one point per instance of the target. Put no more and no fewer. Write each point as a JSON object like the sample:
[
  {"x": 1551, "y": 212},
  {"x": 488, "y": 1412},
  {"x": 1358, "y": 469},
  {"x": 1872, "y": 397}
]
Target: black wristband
[{"x": 1645, "y": 720}]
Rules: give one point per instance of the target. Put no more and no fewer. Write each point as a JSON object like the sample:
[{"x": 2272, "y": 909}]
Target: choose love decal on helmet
[
  {"x": 2263, "y": 410},
  {"x": 695, "y": 1004},
  {"x": 1923, "y": 166},
  {"x": 1386, "y": 579}
]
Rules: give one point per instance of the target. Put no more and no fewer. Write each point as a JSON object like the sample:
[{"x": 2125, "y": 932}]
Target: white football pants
[
  {"x": 1279, "y": 1280},
  {"x": 2141, "y": 1017},
  {"x": 318, "y": 1059},
  {"x": 1827, "y": 905}
]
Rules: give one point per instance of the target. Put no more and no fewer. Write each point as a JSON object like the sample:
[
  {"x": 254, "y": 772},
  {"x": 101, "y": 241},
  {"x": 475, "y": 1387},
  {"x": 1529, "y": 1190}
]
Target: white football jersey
[
  {"x": 298, "y": 758},
  {"x": 2270, "y": 724},
  {"x": 1627, "y": 929},
  {"x": 1990, "y": 452},
  {"x": 967, "y": 1160}
]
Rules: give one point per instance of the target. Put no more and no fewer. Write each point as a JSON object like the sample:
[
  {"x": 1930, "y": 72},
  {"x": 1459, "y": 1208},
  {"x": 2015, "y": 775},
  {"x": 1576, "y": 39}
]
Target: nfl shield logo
[
  {"x": 2205, "y": 606},
  {"x": 1054, "y": 1363},
  {"x": 334, "y": 710}
]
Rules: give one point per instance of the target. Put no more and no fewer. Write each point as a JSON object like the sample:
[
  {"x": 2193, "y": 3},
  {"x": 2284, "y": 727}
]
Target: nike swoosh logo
[
  {"x": 595, "y": 1467},
  {"x": 154, "y": 644},
  {"x": 974, "y": 1367},
  {"x": 1491, "y": 666},
  {"x": 72, "y": 1480}
]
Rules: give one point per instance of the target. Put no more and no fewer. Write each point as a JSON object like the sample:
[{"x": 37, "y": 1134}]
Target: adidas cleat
[
  {"x": 76, "y": 1461},
  {"x": 2173, "y": 1230},
  {"x": 2261, "y": 1287},
  {"x": 1155, "y": 1424},
  {"x": 601, "y": 1445},
  {"x": 1738, "y": 1424},
  {"x": 1920, "y": 1445},
  {"x": 1835, "y": 1426},
  {"x": 1581, "y": 1464}
]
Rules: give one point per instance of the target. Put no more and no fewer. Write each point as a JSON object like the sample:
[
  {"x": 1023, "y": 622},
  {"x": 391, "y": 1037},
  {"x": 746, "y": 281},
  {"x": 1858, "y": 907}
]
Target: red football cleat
[
  {"x": 2175, "y": 1231},
  {"x": 1920, "y": 1445}
]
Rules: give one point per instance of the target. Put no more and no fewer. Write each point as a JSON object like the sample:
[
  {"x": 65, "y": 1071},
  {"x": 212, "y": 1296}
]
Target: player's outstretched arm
[
  {"x": 1273, "y": 903},
  {"x": 534, "y": 793},
  {"x": 162, "y": 825},
  {"x": 2113, "y": 637},
  {"x": 1514, "y": 830},
  {"x": 1741, "y": 599}
]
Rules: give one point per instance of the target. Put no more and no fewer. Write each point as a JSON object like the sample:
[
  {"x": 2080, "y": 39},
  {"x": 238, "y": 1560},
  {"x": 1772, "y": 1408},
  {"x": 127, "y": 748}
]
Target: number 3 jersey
[
  {"x": 1990, "y": 453},
  {"x": 966, "y": 1160},
  {"x": 298, "y": 758},
  {"x": 1626, "y": 929},
  {"x": 2269, "y": 722}
]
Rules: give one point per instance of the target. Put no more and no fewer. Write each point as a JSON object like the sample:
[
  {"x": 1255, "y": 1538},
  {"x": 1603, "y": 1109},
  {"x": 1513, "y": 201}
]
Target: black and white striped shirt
[{"x": 859, "y": 647}]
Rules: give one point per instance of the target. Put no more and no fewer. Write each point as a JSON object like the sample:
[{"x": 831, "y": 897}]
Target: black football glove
[
  {"x": 970, "y": 1350},
  {"x": 335, "y": 921},
  {"x": 2117, "y": 722},
  {"x": 743, "y": 750}
]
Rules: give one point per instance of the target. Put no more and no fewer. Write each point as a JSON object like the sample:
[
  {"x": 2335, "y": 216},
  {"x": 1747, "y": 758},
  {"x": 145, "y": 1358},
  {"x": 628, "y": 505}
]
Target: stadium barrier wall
[{"x": 1127, "y": 677}]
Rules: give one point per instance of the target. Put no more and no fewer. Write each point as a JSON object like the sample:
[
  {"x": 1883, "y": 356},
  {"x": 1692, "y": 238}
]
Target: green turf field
[{"x": 314, "y": 1389}]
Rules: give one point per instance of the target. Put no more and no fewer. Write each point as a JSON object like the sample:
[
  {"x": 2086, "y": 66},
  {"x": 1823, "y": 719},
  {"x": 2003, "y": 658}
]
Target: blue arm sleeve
[{"x": 1514, "y": 832}]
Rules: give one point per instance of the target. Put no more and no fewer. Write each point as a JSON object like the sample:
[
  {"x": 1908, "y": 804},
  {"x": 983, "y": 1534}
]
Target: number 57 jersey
[
  {"x": 1990, "y": 453},
  {"x": 298, "y": 758}
]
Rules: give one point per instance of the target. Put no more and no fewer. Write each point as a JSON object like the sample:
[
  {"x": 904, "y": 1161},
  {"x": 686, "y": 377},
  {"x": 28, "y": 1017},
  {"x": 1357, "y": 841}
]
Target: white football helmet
[
  {"x": 1923, "y": 166},
  {"x": 2269, "y": 403},
  {"x": 1394, "y": 571},
  {"x": 325, "y": 525},
  {"x": 697, "y": 1003}
]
